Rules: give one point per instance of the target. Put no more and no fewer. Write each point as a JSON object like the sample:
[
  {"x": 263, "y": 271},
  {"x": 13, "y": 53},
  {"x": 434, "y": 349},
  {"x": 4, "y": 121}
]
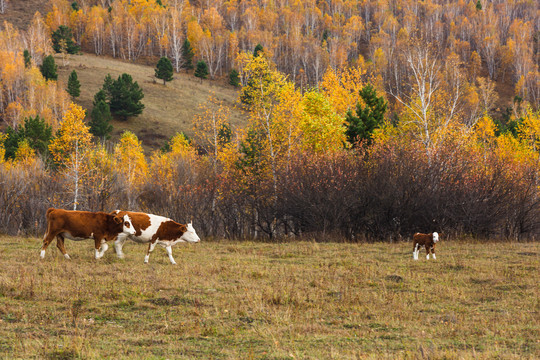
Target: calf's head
[
  {"x": 435, "y": 237},
  {"x": 189, "y": 234}
]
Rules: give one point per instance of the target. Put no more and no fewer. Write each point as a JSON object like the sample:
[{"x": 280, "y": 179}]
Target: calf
[
  {"x": 154, "y": 229},
  {"x": 426, "y": 240},
  {"x": 80, "y": 225}
]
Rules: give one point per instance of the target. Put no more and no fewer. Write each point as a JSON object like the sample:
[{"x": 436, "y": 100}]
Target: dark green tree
[
  {"x": 360, "y": 126},
  {"x": 75, "y": 6},
  {"x": 224, "y": 134},
  {"x": 62, "y": 39},
  {"x": 478, "y": 5},
  {"x": 187, "y": 55},
  {"x": 35, "y": 130},
  {"x": 258, "y": 50},
  {"x": 100, "y": 123},
  {"x": 202, "y": 70},
  {"x": 164, "y": 70},
  {"x": 234, "y": 78},
  {"x": 48, "y": 68},
  {"x": 73, "y": 85},
  {"x": 27, "y": 59},
  {"x": 126, "y": 95},
  {"x": 107, "y": 87}
]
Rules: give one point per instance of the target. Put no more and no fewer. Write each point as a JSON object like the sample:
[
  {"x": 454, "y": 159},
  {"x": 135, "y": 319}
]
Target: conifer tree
[
  {"x": 234, "y": 78},
  {"x": 100, "y": 123},
  {"x": 360, "y": 126},
  {"x": 73, "y": 85},
  {"x": 187, "y": 55},
  {"x": 63, "y": 38},
  {"x": 164, "y": 70},
  {"x": 258, "y": 50},
  {"x": 126, "y": 97},
  {"x": 202, "y": 70},
  {"x": 48, "y": 68},
  {"x": 27, "y": 59}
]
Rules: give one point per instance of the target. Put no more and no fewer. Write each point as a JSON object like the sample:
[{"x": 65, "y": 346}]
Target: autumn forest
[{"x": 363, "y": 120}]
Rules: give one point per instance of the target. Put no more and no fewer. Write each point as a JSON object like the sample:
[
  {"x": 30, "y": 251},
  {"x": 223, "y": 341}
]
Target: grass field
[
  {"x": 245, "y": 300},
  {"x": 168, "y": 109}
]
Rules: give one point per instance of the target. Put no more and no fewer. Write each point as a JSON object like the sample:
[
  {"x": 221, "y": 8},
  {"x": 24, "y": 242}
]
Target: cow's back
[{"x": 145, "y": 225}]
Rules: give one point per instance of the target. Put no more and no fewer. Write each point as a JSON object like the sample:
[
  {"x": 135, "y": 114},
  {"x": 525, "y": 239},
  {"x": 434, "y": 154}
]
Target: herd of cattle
[
  {"x": 117, "y": 226},
  {"x": 144, "y": 228}
]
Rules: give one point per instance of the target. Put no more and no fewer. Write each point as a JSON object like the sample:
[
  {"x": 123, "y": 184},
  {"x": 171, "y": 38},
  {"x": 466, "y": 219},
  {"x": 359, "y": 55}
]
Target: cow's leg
[
  {"x": 97, "y": 246},
  {"x": 60, "y": 246},
  {"x": 433, "y": 253},
  {"x": 103, "y": 248},
  {"x": 47, "y": 239},
  {"x": 151, "y": 247},
  {"x": 415, "y": 251},
  {"x": 118, "y": 245},
  {"x": 427, "y": 252},
  {"x": 169, "y": 252}
]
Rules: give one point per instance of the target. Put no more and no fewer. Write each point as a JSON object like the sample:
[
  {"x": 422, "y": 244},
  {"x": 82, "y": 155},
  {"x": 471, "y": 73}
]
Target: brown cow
[
  {"x": 426, "y": 240},
  {"x": 155, "y": 229},
  {"x": 81, "y": 225}
]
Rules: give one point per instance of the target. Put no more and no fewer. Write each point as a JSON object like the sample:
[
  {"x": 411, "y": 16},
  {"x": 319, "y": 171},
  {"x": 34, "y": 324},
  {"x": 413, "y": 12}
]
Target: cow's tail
[{"x": 47, "y": 218}]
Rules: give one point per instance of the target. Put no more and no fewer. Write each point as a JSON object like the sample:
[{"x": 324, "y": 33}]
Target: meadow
[{"x": 254, "y": 300}]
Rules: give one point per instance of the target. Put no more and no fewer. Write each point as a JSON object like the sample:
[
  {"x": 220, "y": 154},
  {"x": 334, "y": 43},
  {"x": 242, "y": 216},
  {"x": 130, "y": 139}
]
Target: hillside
[
  {"x": 168, "y": 109},
  {"x": 20, "y": 12}
]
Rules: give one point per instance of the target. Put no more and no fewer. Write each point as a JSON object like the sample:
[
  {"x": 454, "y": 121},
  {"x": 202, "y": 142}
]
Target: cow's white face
[
  {"x": 128, "y": 226},
  {"x": 435, "y": 237},
  {"x": 190, "y": 235}
]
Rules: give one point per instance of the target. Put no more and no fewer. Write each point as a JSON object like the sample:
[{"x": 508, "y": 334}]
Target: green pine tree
[
  {"x": 234, "y": 78},
  {"x": 48, "y": 68},
  {"x": 478, "y": 5},
  {"x": 34, "y": 130},
  {"x": 126, "y": 97},
  {"x": 360, "y": 126},
  {"x": 202, "y": 70},
  {"x": 258, "y": 50},
  {"x": 107, "y": 87},
  {"x": 164, "y": 70},
  {"x": 187, "y": 55},
  {"x": 63, "y": 38},
  {"x": 73, "y": 85},
  {"x": 27, "y": 59},
  {"x": 100, "y": 123}
]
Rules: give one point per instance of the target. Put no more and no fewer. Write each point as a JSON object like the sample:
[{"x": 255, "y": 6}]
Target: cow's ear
[
  {"x": 183, "y": 228},
  {"x": 118, "y": 219}
]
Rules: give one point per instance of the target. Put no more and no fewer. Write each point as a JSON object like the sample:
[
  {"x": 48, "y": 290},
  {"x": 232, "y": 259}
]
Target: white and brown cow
[
  {"x": 81, "y": 225},
  {"x": 155, "y": 229},
  {"x": 426, "y": 240}
]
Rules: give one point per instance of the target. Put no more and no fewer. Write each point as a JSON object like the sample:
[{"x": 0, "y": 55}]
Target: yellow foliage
[
  {"x": 529, "y": 129},
  {"x": 322, "y": 127},
  {"x": 25, "y": 155},
  {"x": 485, "y": 130},
  {"x": 73, "y": 136},
  {"x": 130, "y": 161}
]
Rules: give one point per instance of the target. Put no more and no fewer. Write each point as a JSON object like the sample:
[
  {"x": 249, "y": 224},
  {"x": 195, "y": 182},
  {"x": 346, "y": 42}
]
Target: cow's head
[
  {"x": 127, "y": 225},
  {"x": 189, "y": 234},
  {"x": 435, "y": 237}
]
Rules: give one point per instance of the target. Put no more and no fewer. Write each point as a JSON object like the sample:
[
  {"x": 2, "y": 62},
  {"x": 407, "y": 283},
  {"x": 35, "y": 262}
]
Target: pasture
[{"x": 250, "y": 300}]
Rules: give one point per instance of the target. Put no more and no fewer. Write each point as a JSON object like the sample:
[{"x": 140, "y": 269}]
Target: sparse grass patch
[{"x": 301, "y": 300}]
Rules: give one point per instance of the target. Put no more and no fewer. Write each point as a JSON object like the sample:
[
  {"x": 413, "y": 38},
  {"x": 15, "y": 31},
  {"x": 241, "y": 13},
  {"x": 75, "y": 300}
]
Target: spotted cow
[{"x": 155, "y": 229}]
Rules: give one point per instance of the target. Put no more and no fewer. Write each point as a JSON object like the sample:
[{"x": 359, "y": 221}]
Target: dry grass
[
  {"x": 168, "y": 109},
  {"x": 302, "y": 300}
]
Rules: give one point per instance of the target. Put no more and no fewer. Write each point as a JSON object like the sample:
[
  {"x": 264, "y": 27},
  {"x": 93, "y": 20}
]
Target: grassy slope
[
  {"x": 231, "y": 300},
  {"x": 168, "y": 109}
]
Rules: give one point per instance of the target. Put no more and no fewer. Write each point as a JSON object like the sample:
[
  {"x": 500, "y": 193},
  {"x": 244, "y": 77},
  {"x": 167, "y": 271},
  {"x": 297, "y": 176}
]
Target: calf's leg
[
  {"x": 118, "y": 245},
  {"x": 47, "y": 239},
  {"x": 61, "y": 247}
]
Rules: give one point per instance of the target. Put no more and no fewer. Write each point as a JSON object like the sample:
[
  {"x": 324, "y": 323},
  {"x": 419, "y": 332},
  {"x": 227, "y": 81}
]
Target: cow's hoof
[
  {"x": 121, "y": 256},
  {"x": 67, "y": 256}
]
